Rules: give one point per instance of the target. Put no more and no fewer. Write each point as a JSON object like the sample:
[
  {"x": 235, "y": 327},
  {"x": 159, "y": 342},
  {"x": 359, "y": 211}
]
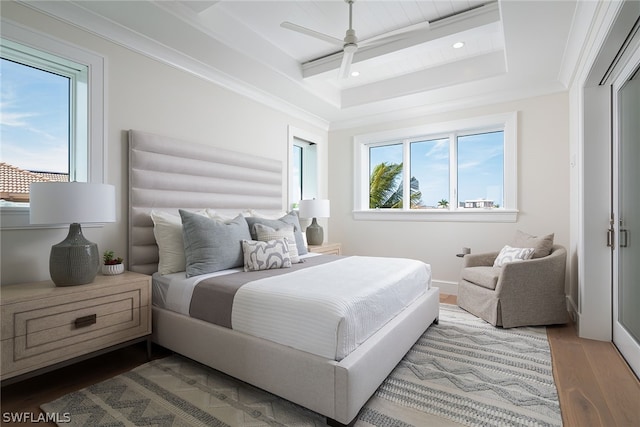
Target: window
[
  {"x": 303, "y": 166},
  {"x": 52, "y": 116},
  {"x": 452, "y": 171}
]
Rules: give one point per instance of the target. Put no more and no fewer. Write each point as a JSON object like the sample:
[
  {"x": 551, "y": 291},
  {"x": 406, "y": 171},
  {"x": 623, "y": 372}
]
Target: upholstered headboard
[{"x": 168, "y": 174}]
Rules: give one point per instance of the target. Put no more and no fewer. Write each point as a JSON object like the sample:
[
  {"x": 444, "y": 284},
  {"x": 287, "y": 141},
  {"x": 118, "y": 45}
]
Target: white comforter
[{"x": 331, "y": 308}]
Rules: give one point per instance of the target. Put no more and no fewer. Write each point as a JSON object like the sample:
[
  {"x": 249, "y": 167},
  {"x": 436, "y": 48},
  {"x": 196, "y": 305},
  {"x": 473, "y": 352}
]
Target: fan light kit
[{"x": 350, "y": 43}]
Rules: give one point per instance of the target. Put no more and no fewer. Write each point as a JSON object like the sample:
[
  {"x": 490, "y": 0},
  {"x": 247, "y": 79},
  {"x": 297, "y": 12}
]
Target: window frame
[
  {"x": 310, "y": 144},
  {"x": 91, "y": 148},
  {"x": 508, "y": 213}
]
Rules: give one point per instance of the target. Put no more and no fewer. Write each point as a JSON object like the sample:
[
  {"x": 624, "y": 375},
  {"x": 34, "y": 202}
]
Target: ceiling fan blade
[
  {"x": 345, "y": 66},
  {"x": 312, "y": 33},
  {"x": 400, "y": 33}
]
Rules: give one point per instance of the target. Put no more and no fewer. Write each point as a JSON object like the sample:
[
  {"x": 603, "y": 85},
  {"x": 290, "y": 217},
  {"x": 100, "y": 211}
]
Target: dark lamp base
[
  {"x": 75, "y": 260},
  {"x": 315, "y": 234}
]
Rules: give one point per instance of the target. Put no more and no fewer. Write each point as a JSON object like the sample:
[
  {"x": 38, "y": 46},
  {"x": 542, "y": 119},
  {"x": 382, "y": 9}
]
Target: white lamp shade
[
  {"x": 71, "y": 202},
  {"x": 316, "y": 208}
]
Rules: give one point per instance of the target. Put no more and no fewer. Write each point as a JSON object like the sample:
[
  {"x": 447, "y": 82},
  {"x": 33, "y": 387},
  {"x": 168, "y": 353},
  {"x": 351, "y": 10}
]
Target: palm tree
[
  {"x": 443, "y": 203},
  {"x": 385, "y": 187}
]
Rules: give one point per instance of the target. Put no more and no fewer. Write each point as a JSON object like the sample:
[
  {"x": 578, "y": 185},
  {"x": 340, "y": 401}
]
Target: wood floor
[{"x": 595, "y": 386}]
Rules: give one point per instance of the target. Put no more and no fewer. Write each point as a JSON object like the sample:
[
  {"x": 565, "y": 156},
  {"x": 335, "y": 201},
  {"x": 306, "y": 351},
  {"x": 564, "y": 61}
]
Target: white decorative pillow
[
  {"x": 265, "y": 255},
  {"x": 509, "y": 254},
  {"x": 265, "y": 233},
  {"x": 167, "y": 229}
]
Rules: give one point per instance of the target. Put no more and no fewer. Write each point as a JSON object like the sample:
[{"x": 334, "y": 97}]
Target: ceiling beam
[{"x": 465, "y": 21}]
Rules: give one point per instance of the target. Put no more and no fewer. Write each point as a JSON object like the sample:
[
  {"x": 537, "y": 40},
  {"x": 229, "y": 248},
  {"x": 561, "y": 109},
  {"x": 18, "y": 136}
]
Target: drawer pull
[{"x": 84, "y": 321}]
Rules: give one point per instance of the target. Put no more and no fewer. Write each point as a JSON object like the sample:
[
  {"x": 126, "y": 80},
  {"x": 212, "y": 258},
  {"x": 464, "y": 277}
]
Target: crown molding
[{"x": 87, "y": 20}]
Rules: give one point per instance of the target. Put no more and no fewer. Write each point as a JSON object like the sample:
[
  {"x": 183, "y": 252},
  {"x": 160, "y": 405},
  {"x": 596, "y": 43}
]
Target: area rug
[{"x": 462, "y": 371}]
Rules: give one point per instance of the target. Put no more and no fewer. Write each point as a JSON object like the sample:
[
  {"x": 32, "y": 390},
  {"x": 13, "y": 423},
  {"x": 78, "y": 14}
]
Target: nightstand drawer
[
  {"x": 64, "y": 325},
  {"x": 38, "y": 332},
  {"x": 327, "y": 249}
]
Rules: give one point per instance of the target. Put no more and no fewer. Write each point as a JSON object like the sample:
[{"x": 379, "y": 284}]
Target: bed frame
[{"x": 168, "y": 174}]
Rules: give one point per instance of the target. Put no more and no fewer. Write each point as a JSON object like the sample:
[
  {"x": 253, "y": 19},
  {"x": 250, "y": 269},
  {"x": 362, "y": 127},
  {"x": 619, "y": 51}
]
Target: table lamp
[
  {"x": 75, "y": 260},
  {"x": 314, "y": 209}
]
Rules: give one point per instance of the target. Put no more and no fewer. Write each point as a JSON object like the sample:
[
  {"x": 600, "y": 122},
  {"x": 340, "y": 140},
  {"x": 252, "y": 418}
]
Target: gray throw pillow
[
  {"x": 542, "y": 244},
  {"x": 290, "y": 218},
  {"x": 211, "y": 245}
]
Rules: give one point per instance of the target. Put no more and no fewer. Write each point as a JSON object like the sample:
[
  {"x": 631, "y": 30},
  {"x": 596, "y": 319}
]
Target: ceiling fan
[{"x": 350, "y": 43}]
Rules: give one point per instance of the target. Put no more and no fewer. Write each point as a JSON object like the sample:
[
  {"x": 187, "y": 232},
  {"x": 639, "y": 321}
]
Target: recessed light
[
  {"x": 355, "y": 73},
  {"x": 458, "y": 45}
]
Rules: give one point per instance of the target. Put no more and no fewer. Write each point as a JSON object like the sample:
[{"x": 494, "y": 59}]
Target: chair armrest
[
  {"x": 533, "y": 276},
  {"x": 476, "y": 260}
]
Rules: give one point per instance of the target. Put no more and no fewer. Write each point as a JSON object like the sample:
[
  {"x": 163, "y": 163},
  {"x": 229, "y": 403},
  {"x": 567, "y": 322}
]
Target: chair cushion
[{"x": 484, "y": 276}]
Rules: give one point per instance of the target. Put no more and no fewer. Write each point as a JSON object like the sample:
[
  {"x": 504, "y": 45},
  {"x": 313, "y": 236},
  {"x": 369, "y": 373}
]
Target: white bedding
[
  {"x": 327, "y": 310},
  {"x": 173, "y": 291}
]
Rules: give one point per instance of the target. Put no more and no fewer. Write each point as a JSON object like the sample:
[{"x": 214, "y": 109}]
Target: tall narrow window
[
  {"x": 52, "y": 109},
  {"x": 44, "y": 127},
  {"x": 481, "y": 170},
  {"x": 385, "y": 176},
  {"x": 297, "y": 172},
  {"x": 303, "y": 170},
  {"x": 430, "y": 172}
]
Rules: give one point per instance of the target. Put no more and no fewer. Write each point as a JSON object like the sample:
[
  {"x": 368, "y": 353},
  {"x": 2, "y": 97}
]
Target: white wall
[
  {"x": 147, "y": 95},
  {"x": 543, "y": 193}
]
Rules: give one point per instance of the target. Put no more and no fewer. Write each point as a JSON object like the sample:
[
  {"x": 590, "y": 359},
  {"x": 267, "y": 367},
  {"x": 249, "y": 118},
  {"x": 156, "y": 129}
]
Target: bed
[{"x": 175, "y": 177}]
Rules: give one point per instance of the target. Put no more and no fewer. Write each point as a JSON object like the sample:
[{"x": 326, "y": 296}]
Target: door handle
[
  {"x": 610, "y": 237},
  {"x": 624, "y": 238}
]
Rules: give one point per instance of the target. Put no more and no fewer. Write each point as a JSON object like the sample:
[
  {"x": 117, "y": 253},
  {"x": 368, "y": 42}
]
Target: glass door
[{"x": 626, "y": 203}]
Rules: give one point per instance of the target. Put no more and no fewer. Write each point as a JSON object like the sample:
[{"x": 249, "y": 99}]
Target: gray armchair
[{"x": 524, "y": 293}]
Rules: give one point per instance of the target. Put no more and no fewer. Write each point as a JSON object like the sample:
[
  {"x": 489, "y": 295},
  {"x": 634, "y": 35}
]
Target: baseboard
[
  {"x": 572, "y": 309},
  {"x": 449, "y": 288}
]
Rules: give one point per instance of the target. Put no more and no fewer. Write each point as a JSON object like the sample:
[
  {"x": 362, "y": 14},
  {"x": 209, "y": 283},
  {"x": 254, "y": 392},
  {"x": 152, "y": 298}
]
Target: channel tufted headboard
[{"x": 168, "y": 174}]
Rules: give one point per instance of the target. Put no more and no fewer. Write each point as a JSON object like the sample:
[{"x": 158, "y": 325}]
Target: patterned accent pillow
[
  {"x": 509, "y": 254},
  {"x": 265, "y": 233},
  {"x": 265, "y": 255}
]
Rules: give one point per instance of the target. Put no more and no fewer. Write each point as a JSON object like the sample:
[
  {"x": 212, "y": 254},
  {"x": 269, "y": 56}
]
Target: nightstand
[
  {"x": 44, "y": 326},
  {"x": 326, "y": 248}
]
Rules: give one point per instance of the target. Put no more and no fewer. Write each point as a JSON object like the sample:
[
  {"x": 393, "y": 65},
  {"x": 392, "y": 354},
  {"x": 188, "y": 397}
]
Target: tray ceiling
[{"x": 511, "y": 49}]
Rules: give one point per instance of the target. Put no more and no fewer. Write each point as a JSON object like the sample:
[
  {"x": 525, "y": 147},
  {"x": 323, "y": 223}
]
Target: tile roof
[{"x": 14, "y": 182}]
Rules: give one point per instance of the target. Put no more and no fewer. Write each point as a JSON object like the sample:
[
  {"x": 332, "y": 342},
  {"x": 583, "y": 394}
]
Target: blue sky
[
  {"x": 480, "y": 166},
  {"x": 34, "y": 125}
]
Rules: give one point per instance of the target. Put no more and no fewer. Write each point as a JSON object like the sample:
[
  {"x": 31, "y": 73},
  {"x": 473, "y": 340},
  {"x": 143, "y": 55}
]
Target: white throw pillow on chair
[{"x": 509, "y": 254}]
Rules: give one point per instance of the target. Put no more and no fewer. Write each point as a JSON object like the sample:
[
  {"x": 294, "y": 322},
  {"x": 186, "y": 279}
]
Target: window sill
[{"x": 438, "y": 215}]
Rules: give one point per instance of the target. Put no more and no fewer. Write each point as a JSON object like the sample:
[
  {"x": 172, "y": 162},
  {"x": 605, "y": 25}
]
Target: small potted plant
[{"x": 112, "y": 264}]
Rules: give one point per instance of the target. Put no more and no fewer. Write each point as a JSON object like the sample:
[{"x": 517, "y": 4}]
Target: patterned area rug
[{"x": 460, "y": 372}]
